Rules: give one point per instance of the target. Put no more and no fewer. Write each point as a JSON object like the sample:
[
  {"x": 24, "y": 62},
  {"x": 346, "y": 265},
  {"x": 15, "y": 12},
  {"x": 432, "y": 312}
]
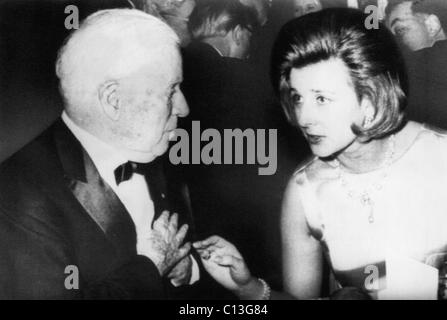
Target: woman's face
[{"x": 326, "y": 106}]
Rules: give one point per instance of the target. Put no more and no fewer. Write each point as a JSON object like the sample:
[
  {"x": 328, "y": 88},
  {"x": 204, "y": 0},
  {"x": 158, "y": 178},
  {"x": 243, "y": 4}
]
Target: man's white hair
[{"x": 105, "y": 47}]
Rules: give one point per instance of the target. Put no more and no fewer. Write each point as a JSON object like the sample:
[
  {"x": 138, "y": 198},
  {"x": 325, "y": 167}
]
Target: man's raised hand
[{"x": 163, "y": 244}]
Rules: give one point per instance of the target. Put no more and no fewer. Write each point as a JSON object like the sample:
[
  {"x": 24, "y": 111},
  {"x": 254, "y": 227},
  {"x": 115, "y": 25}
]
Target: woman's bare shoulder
[{"x": 313, "y": 170}]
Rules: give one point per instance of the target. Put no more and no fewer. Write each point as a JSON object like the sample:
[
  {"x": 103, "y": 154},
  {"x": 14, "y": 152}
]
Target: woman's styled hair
[{"x": 372, "y": 57}]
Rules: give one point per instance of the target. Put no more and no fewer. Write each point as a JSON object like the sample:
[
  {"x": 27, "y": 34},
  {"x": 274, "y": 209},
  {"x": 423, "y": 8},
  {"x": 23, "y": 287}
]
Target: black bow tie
[{"x": 125, "y": 171}]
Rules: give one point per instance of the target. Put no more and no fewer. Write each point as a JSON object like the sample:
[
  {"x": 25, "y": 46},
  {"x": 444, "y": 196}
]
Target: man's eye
[
  {"x": 400, "y": 31},
  {"x": 171, "y": 97}
]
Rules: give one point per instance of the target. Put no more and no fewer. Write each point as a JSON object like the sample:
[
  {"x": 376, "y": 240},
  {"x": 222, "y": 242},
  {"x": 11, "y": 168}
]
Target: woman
[{"x": 371, "y": 201}]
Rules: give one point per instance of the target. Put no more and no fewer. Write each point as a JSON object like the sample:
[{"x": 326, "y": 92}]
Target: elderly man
[{"x": 86, "y": 209}]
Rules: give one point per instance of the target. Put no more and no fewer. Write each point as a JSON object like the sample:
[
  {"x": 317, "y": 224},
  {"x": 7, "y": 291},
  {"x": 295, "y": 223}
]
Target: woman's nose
[{"x": 306, "y": 114}]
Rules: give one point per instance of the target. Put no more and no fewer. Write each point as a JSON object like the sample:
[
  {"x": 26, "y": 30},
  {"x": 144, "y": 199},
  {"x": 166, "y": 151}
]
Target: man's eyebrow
[{"x": 177, "y": 81}]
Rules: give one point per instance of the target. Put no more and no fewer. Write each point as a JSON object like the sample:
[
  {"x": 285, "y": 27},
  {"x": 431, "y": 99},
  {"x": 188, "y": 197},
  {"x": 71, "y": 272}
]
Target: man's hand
[
  {"x": 163, "y": 244},
  {"x": 182, "y": 272}
]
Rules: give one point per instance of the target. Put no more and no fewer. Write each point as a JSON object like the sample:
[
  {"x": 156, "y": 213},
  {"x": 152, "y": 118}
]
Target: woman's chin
[{"x": 320, "y": 152}]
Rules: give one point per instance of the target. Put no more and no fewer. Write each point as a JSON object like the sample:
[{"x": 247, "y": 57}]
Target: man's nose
[{"x": 181, "y": 108}]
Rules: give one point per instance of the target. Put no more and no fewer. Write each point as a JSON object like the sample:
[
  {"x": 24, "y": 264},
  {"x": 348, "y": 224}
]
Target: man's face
[
  {"x": 303, "y": 7},
  {"x": 151, "y": 103},
  {"x": 409, "y": 28}
]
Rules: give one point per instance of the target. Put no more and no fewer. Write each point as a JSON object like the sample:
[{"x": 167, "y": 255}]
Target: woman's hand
[{"x": 225, "y": 264}]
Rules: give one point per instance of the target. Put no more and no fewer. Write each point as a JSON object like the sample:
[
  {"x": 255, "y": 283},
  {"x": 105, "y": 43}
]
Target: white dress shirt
[{"x": 133, "y": 193}]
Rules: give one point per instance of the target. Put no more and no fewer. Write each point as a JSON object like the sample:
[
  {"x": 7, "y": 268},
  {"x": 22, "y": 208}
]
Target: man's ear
[
  {"x": 109, "y": 99},
  {"x": 433, "y": 25},
  {"x": 237, "y": 34}
]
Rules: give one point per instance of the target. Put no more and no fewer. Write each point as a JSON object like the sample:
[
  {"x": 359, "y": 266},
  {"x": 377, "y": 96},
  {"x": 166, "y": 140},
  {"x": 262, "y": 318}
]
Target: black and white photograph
[{"x": 223, "y": 150}]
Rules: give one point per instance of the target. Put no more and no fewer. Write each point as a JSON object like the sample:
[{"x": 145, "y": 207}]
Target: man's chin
[{"x": 161, "y": 148}]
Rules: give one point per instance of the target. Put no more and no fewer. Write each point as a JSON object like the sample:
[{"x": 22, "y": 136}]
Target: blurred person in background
[
  {"x": 417, "y": 24},
  {"x": 225, "y": 91},
  {"x": 302, "y": 7},
  {"x": 174, "y": 12},
  {"x": 420, "y": 27}
]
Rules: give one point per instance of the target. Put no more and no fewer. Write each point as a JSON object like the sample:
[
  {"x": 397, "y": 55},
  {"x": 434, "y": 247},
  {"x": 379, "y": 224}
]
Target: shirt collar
[
  {"x": 105, "y": 157},
  {"x": 218, "y": 51}
]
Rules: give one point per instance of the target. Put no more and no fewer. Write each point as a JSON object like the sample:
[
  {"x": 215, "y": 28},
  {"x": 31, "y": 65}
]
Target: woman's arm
[
  {"x": 302, "y": 253},
  {"x": 302, "y": 258},
  {"x": 225, "y": 264}
]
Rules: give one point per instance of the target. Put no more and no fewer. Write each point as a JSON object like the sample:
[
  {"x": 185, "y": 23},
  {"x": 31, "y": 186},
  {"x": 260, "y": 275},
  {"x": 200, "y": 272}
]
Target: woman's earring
[{"x": 368, "y": 121}]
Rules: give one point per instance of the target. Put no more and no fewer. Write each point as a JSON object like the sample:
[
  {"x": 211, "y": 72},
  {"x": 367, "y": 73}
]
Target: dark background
[{"x": 31, "y": 31}]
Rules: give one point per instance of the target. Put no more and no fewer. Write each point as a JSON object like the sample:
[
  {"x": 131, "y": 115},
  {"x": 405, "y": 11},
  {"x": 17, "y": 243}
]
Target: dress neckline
[{"x": 397, "y": 158}]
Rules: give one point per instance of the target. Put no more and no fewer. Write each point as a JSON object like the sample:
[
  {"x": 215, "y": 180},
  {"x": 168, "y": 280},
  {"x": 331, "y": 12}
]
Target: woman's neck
[{"x": 362, "y": 157}]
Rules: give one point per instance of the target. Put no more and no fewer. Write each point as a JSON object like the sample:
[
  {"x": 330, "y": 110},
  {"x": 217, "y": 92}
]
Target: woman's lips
[{"x": 314, "y": 139}]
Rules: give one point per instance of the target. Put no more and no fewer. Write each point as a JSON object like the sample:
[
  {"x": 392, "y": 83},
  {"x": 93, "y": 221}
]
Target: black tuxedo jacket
[
  {"x": 56, "y": 211},
  {"x": 427, "y": 69}
]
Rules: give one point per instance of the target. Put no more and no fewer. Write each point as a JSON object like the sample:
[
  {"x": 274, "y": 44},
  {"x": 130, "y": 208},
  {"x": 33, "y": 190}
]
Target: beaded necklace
[{"x": 365, "y": 195}]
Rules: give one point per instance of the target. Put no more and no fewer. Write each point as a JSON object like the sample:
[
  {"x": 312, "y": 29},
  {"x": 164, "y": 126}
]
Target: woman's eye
[
  {"x": 296, "y": 99},
  {"x": 322, "y": 100}
]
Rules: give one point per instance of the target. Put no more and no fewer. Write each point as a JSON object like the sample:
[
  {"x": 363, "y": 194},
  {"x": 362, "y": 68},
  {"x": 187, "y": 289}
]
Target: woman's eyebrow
[{"x": 321, "y": 91}]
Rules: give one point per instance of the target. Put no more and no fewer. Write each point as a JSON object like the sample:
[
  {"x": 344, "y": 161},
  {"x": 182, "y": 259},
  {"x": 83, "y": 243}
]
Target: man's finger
[
  {"x": 162, "y": 220},
  {"x": 183, "y": 251},
  {"x": 173, "y": 222},
  {"x": 174, "y": 273},
  {"x": 181, "y": 234}
]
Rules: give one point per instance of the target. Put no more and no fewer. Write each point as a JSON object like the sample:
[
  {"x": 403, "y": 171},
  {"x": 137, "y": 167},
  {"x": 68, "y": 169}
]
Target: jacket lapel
[
  {"x": 157, "y": 187},
  {"x": 93, "y": 193}
]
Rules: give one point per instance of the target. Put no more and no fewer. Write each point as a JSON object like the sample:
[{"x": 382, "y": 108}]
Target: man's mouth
[{"x": 171, "y": 134}]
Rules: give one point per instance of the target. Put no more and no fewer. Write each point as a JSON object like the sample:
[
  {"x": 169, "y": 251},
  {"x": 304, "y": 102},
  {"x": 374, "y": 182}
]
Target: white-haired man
[{"x": 86, "y": 209}]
